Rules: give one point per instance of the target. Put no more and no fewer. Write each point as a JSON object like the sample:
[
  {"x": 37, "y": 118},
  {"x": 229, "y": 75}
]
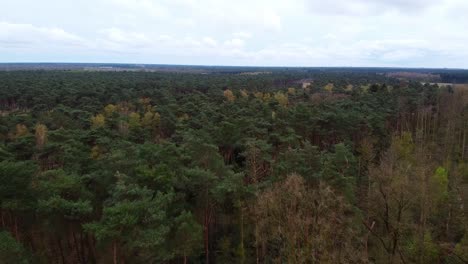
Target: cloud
[
  {"x": 242, "y": 35},
  {"x": 153, "y": 8},
  {"x": 368, "y": 7},
  {"x": 259, "y": 14},
  {"x": 210, "y": 41},
  {"x": 332, "y": 52},
  {"x": 271, "y": 19},
  {"x": 244, "y": 32},
  {"x": 234, "y": 43},
  {"x": 27, "y": 35}
]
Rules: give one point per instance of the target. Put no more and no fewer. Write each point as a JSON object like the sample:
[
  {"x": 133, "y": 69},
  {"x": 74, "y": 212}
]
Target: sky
[{"x": 351, "y": 33}]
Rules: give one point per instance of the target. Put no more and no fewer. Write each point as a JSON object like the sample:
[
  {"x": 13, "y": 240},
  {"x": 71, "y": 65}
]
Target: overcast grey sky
[{"x": 408, "y": 33}]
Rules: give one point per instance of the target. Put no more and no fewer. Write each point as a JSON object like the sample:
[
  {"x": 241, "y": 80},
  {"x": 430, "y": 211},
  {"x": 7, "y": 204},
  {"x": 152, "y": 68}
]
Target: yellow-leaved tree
[
  {"x": 21, "y": 130},
  {"x": 244, "y": 93},
  {"x": 109, "y": 109},
  {"x": 150, "y": 119},
  {"x": 134, "y": 120},
  {"x": 258, "y": 95},
  {"x": 282, "y": 99},
  {"x": 229, "y": 95},
  {"x": 98, "y": 121},
  {"x": 266, "y": 97},
  {"x": 41, "y": 135}
]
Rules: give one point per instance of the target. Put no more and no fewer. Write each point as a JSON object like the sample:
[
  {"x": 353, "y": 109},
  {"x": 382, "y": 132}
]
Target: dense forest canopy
[{"x": 233, "y": 165}]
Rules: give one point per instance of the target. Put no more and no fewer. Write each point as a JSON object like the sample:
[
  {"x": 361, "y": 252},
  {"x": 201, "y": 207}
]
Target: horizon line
[{"x": 235, "y": 66}]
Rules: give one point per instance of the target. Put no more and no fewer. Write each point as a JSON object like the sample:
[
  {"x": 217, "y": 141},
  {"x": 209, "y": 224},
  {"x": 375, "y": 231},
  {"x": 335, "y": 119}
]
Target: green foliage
[
  {"x": 405, "y": 146},
  {"x": 425, "y": 252},
  {"x": 63, "y": 194},
  {"x": 173, "y": 167},
  {"x": 11, "y": 251},
  {"x": 305, "y": 161},
  {"x": 187, "y": 235},
  {"x": 4, "y": 154},
  {"x": 135, "y": 217},
  {"x": 340, "y": 168},
  {"x": 439, "y": 183},
  {"x": 15, "y": 184},
  {"x": 461, "y": 249}
]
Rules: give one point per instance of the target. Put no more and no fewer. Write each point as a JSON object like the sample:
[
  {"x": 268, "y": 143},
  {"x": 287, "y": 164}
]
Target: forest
[{"x": 233, "y": 166}]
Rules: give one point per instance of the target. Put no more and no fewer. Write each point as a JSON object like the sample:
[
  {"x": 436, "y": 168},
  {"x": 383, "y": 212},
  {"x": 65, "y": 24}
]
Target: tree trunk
[
  {"x": 3, "y": 220},
  {"x": 463, "y": 145},
  {"x": 256, "y": 241},
  {"x": 206, "y": 236},
  {"x": 16, "y": 229},
  {"x": 242, "y": 260},
  {"x": 90, "y": 244},
  {"x": 78, "y": 249},
  {"x": 59, "y": 243},
  {"x": 115, "y": 252}
]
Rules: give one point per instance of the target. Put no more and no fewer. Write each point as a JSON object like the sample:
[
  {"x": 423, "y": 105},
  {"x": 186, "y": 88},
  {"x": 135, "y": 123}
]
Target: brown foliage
[
  {"x": 305, "y": 224},
  {"x": 41, "y": 135},
  {"x": 230, "y": 97}
]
